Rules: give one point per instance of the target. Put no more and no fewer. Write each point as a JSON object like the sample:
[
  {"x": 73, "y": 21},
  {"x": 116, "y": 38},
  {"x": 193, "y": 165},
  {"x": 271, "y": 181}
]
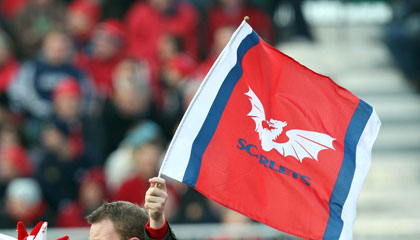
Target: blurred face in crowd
[
  {"x": 55, "y": 141},
  {"x": 105, "y": 46},
  {"x": 129, "y": 99},
  {"x": 168, "y": 47},
  {"x": 172, "y": 77},
  {"x": 14, "y": 163},
  {"x": 56, "y": 48},
  {"x": 78, "y": 23},
  {"x": 124, "y": 71},
  {"x": 8, "y": 170},
  {"x": 146, "y": 158},
  {"x": 52, "y": 138},
  {"x": 67, "y": 106},
  {"x": 17, "y": 208},
  {"x": 8, "y": 136},
  {"x": 189, "y": 92},
  {"x": 161, "y": 5},
  {"x": 91, "y": 194},
  {"x": 177, "y": 70},
  {"x": 221, "y": 38}
]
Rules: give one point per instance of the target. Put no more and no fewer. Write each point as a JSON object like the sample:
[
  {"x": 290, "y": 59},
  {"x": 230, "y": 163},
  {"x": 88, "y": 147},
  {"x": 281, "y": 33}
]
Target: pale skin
[
  {"x": 154, "y": 202},
  {"x": 104, "y": 230}
]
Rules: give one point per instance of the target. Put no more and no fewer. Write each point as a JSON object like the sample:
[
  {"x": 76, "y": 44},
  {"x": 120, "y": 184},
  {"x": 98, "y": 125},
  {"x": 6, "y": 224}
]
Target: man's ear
[{"x": 134, "y": 238}]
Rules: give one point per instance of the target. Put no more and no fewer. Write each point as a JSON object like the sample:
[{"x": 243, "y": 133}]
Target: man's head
[
  {"x": 130, "y": 80},
  {"x": 118, "y": 220},
  {"x": 108, "y": 39},
  {"x": 146, "y": 159},
  {"x": 57, "y": 48}
]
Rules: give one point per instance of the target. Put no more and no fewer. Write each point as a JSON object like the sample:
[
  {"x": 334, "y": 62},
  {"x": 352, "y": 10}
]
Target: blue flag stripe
[
  {"x": 345, "y": 176},
  {"x": 213, "y": 117}
]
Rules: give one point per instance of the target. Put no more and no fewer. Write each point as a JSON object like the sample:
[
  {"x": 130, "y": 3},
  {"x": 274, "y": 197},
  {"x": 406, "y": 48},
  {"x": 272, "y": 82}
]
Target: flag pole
[{"x": 246, "y": 19}]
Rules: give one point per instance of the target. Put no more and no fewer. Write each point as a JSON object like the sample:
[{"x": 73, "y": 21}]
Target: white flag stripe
[
  {"x": 363, "y": 161},
  {"x": 180, "y": 147}
]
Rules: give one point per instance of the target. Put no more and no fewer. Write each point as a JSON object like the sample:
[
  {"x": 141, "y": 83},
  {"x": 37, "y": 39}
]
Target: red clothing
[
  {"x": 32, "y": 215},
  {"x": 100, "y": 71},
  {"x": 259, "y": 20},
  {"x": 145, "y": 27},
  {"x": 17, "y": 156},
  {"x": 157, "y": 233},
  {"x": 203, "y": 68},
  {"x": 7, "y": 73},
  {"x": 72, "y": 215},
  {"x": 133, "y": 190},
  {"x": 9, "y": 8}
]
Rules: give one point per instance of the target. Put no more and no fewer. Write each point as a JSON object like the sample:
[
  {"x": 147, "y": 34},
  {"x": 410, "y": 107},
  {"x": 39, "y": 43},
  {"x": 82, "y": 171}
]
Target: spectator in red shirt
[
  {"x": 145, "y": 158},
  {"x": 14, "y": 163},
  {"x": 119, "y": 165},
  {"x": 92, "y": 193},
  {"x": 108, "y": 45},
  {"x": 8, "y": 64},
  {"x": 148, "y": 21},
  {"x": 221, "y": 38},
  {"x": 24, "y": 202},
  {"x": 145, "y": 163}
]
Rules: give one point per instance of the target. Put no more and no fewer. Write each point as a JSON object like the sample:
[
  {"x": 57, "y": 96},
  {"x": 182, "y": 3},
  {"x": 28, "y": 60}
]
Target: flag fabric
[{"x": 275, "y": 141}]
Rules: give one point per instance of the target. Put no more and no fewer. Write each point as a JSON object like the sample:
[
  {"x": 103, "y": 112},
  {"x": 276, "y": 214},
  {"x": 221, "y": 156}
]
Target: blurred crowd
[{"x": 91, "y": 92}]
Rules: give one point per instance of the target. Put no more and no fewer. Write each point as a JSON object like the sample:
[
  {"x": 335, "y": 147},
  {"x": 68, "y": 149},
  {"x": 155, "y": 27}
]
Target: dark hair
[{"x": 128, "y": 219}]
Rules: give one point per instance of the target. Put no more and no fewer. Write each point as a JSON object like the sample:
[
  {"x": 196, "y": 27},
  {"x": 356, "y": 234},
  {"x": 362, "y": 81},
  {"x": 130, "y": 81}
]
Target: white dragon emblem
[{"x": 302, "y": 144}]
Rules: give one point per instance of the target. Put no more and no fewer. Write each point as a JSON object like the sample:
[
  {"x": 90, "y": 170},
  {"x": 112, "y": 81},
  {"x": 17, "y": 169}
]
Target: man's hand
[{"x": 155, "y": 201}]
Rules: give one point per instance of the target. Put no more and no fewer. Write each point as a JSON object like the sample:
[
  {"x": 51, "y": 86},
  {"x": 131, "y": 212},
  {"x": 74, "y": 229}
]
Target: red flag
[{"x": 275, "y": 141}]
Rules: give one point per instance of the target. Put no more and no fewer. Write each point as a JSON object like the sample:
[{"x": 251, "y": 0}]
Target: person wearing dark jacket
[
  {"x": 31, "y": 91},
  {"x": 127, "y": 221}
]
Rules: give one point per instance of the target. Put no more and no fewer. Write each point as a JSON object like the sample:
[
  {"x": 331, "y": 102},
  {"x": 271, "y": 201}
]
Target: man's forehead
[{"x": 103, "y": 230}]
